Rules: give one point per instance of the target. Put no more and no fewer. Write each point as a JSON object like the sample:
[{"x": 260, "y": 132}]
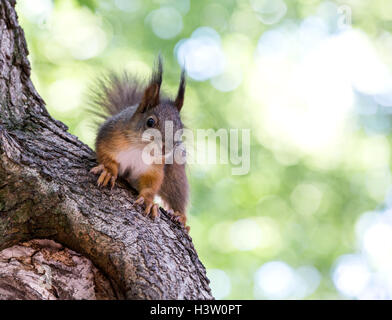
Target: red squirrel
[{"x": 131, "y": 109}]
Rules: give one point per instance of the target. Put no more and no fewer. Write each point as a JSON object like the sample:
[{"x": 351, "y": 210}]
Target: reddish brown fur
[
  {"x": 107, "y": 150},
  {"x": 149, "y": 184},
  {"x": 174, "y": 190},
  {"x": 129, "y": 106}
]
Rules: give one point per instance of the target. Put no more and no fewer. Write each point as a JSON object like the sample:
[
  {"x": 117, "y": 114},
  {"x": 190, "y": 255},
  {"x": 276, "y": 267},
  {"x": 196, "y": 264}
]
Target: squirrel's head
[{"x": 160, "y": 114}]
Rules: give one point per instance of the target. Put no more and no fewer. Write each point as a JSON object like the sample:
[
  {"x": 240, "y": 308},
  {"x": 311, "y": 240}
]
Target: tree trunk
[{"x": 46, "y": 192}]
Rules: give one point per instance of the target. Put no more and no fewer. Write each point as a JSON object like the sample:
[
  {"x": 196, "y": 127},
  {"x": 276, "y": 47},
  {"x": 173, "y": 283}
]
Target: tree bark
[
  {"x": 44, "y": 269},
  {"x": 46, "y": 192}
]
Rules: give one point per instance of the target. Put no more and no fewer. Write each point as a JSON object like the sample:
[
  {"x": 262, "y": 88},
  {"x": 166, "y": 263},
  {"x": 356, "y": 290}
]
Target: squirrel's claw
[
  {"x": 101, "y": 178},
  {"x": 179, "y": 218},
  {"x": 151, "y": 208},
  {"x": 112, "y": 182},
  {"x": 139, "y": 201},
  {"x": 97, "y": 169},
  {"x": 105, "y": 176}
]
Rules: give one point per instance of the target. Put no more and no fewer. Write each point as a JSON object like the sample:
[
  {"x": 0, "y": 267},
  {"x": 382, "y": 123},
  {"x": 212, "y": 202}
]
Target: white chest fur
[{"x": 131, "y": 164}]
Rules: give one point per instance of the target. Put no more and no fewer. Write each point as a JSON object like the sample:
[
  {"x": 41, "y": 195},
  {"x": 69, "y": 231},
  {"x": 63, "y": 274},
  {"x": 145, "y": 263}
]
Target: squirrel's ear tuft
[
  {"x": 181, "y": 92},
  {"x": 151, "y": 94}
]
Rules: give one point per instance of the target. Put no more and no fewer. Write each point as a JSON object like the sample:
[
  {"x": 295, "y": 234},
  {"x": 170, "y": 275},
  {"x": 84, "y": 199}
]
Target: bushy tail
[{"x": 113, "y": 93}]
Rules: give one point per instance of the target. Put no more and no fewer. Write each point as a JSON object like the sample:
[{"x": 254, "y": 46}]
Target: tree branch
[{"x": 46, "y": 191}]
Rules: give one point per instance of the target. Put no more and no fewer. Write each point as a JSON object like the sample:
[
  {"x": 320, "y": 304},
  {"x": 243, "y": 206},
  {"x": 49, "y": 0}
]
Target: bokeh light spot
[
  {"x": 202, "y": 54},
  {"x": 245, "y": 234},
  {"x": 166, "y": 22},
  {"x": 269, "y": 11},
  {"x": 278, "y": 280},
  {"x": 351, "y": 275},
  {"x": 275, "y": 280},
  {"x": 220, "y": 283},
  {"x": 128, "y": 5},
  {"x": 306, "y": 198},
  {"x": 37, "y": 10}
]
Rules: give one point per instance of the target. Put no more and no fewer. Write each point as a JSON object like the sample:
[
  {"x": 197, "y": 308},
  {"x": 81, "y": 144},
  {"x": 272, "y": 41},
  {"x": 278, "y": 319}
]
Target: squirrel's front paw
[
  {"x": 151, "y": 208},
  {"x": 105, "y": 176}
]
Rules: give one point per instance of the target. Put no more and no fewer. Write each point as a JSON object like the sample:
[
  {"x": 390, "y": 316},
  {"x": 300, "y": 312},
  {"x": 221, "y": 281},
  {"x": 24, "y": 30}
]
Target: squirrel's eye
[{"x": 150, "y": 122}]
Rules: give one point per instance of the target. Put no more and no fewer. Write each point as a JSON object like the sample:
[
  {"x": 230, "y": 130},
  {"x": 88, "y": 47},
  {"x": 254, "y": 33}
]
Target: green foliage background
[{"x": 293, "y": 206}]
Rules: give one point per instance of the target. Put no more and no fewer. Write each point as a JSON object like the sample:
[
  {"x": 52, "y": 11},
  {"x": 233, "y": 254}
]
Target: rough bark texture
[
  {"x": 46, "y": 191},
  {"x": 44, "y": 269}
]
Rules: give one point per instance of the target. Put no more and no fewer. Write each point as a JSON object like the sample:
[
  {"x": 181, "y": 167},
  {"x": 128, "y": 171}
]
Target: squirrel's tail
[{"x": 113, "y": 93}]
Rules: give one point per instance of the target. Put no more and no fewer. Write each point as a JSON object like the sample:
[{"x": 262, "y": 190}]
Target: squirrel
[{"x": 130, "y": 109}]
